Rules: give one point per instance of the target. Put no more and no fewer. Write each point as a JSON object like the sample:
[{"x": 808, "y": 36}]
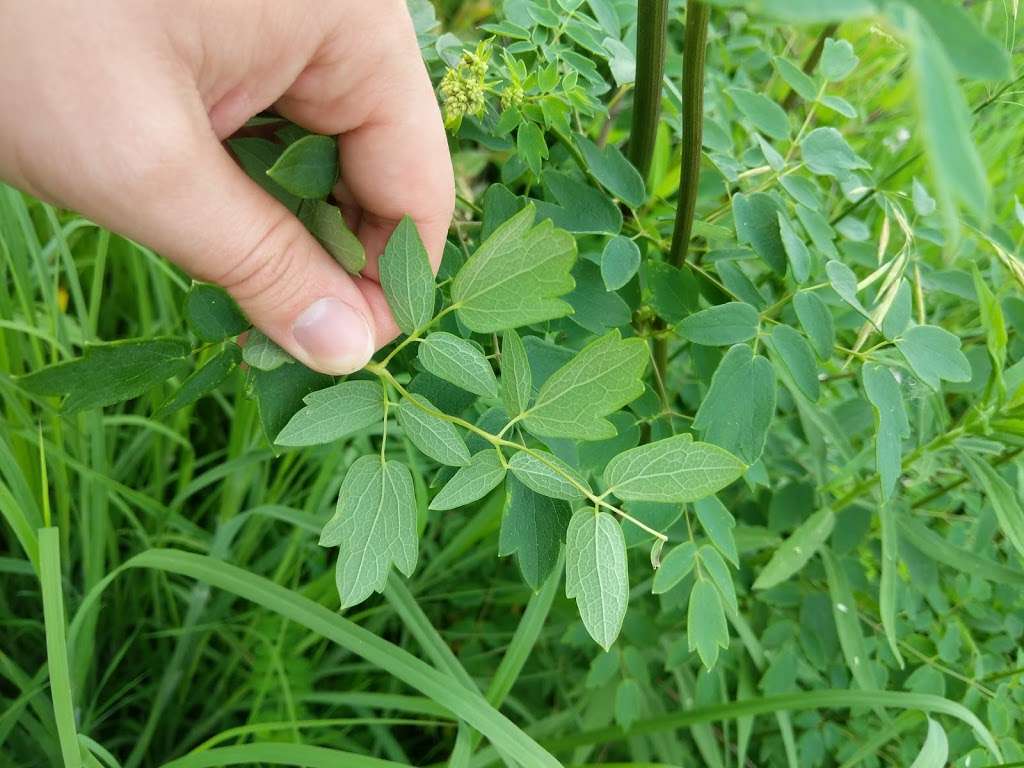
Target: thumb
[{"x": 221, "y": 227}]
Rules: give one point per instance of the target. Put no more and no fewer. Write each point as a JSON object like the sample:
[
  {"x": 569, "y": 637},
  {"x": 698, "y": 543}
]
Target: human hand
[{"x": 117, "y": 109}]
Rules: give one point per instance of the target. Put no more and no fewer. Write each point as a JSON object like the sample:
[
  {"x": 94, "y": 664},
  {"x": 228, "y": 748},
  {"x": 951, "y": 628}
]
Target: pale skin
[{"x": 117, "y": 109}]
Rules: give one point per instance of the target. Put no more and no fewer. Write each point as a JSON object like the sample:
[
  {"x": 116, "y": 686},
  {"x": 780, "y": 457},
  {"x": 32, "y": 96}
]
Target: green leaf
[
  {"x": 596, "y": 574},
  {"x": 577, "y": 206},
  {"x": 706, "y": 631},
  {"x": 619, "y": 262},
  {"x": 406, "y": 277},
  {"x": 533, "y": 529},
  {"x": 934, "y": 354},
  {"x": 616, "y": 174},
  {"x": 676, "y": 566},
  {"x": 976, "y": 55},
  {"x": 946, "y": 124},
  {"x": 795, "y": 551},
  {"x": 837, "y": 59},
  {"x": 595, "y": 308},
  {"x": 333, "y": 413},
  {"x": 630, "y": 703},
  {"x": 203, "y": 380},
  {"x": 796, "y": 251},
  {"x": 471, "y": 482},
  {"x": 374, "y": 527},
  {"x": 738, "y": 408},
  {"x": 992, "y": 321},
  {"x": 715, "y": 568},
  {"x": 826, "y": 153},
  {"x": 672, "y": 293},
  {"x": 110, "y": 373},
  {"x": 798, "y": 359},
  {"x": 546, "y": 474},
  {"x": 844, "y": 612},
  {"x": 820, "y": 231},
  {"x": 515, "y": 276},
  {"x": 308, "y": 168},
  {"x": 459, "y": 362},
  {"x": 757, "y": 223},
  {"x": 1003, "y": 498},
  {"x": 887, "y": 588},
  {"x": 531, "y": 146},
  {"x": 213, "y": 315},
  {"x": 816, "y": 321},
  {"x": 279, "y": 393},
  {"x": 327, "y": 224},
  {"x": 718, "y": 524},
  {"x": 256, "y": 156},
  {"x": 434, "y": 436},
  {"x": 674, "y": 469},
  {"x": 721, "y": 325},
  {"x": 263, "y": 354},
  {"x": 891, "y": 424},
  {"x": 604, "y": 376},
  {"x": 516, "y": 377},
  {"x": 765, "y": 115},
  {"x": 796, "y": 78},
  {"x": 844, "y": 283},
  {"x": 935, "y": 750}
]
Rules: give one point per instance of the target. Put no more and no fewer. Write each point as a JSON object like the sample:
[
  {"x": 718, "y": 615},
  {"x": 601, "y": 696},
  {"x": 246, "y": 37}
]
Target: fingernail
[{"x": 336, "y": 336}]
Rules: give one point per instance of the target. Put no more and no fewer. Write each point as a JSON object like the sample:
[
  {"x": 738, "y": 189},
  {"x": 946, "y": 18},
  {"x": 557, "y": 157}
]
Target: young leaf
[
  {"x": 515, "y": 276},
  {"x": 374, "y": 527},
  {"x": 706, "y": 630},
  {"x": 596, "y": 574},
  {"x": 604, "y": 376},
  {"x": 213, "y": 315},
  {"x": 333, "y": 413},
  {"x": 816, "y": 321},
  {"x": 406, "y": 277},
  {"x": 308, "y": 168},
  {"x": 798, "y": 359},
  {"x": 614, "y": 171},
  {"x": 532, "y": 528},
  {"x": 794, "y": 552},
  {"x": 619, "y": 262},
  {"x": 545, "y": 473},
  {"x": 837, "y": 59},
  {"x": 739, "y": 406},
  {"x": 110, "y": 373},
  {"x": 327, "y": 224},
  {"x": 263, "y": 354},
  {"x": 765, "y": 115},
  {"x": 826, "y": 153},
  {"x": 459, "y": 362},
  {"x": 674, "y": 568},
  {"x": 934, "y": 354},
  {"x": 471, "y": 482},
  {"x": 721, "y": 325},
  {"x": 203, "y": 380},
  {"x": 891, "y": 424},
  {"x": 756, "y": 217},
  {"x": 434, "y": 436},
  {"x": 516, "y": 377},
  {"x": 675, "y": 469}
]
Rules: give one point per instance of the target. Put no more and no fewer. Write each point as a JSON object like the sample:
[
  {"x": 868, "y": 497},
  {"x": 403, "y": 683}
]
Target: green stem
[{"x": 651, "y": 26}]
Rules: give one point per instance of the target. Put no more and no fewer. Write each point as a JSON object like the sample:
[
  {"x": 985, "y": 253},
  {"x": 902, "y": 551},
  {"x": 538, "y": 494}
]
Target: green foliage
[{"x": 778, "y": 470}]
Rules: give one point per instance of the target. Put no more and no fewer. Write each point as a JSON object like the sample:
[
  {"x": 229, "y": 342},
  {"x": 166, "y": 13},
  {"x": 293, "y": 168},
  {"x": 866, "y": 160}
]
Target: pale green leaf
[
  {"x": 934, "y": 354},
  {"x": 795, "y": 551},
  {"x": 715, "y": 568},
  {"x": 718, "y": 524},
  {"x": 935, "y": 750},
  {"x": 887, "y": 588},
  {"x": 601, "y": 378},
  {"x": 548, "y": 475},
  {"x": 756, "y": 217},
  {"x": 515, "y": 276},
  {"x": 531, "y": 146},
  {"x": 333, "y": 413},
  {"x": 1003, "y": 498},
  {"x": 816, "y": 321},
  {"x": 619, "y": 262},
  {"x": 796, "y": 251},
  {"x": 630, "y": 703},
  {"x": 765, "y": 115},
  {"x": 532, "y": 528},
  {"x": 429, "y": 432},
  {"x": 721, "y": 325},
  {"x": 308, "y": 168},
  {"x": 596, "y": 573},
  {"x": 459, "y": 362},
  {"x": 826, "y": 153},
  {"x": 975, "y": 54},
  {"x": 406, "y": 277},
  {"x": 471, "y": 482},
  {"x": 844, "y": 283},
  {"x": 374, "y": 527},
  {"x": 837, "y": 59},
  {"x": 675, "y": 469}
]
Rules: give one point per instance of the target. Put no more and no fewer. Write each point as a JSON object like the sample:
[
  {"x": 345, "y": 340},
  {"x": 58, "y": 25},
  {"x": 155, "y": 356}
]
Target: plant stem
[
  {"x": 651, "y": 26},
  {"x": 695, "y": 48}
]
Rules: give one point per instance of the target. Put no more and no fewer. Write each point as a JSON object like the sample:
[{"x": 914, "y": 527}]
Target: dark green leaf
[
  {"x": 533, "y": 529},
  {"x": 308, "y": 168},
  {"x": 757, "y": 223},
  {"x": 203, "y": 380},
  {"x": 327, "y": 225},
  {"x": 614, "y": 171},
  {"x": 213, "y": 315},
  {"x": 406, "y": 277}
]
